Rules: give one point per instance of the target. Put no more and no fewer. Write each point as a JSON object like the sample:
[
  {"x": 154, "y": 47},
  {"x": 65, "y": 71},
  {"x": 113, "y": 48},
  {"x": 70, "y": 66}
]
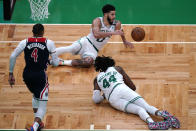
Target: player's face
[{"x": 111, "y": 16}]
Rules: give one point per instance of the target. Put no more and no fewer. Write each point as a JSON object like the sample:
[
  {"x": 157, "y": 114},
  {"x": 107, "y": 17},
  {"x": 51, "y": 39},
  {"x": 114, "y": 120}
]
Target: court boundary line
[
  {"x": 117, "y": 42},
  {"x": 91, "y": 24},
  {"x": 73, "y": 130}
]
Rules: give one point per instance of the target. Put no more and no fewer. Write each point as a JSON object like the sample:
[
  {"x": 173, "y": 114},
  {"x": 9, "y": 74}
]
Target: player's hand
[
  {"x": 118, "y": 32},
  {"x": 11, "y": 79},
  {"x": 128, "y": 44}
]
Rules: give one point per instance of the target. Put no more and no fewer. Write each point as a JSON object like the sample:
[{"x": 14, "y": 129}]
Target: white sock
[
  {"x": 159, "y": 113},
  {"x": 35, "y": 126},
  {"x": 66, "y": 62},
  {"x": 149, "y": 120}
]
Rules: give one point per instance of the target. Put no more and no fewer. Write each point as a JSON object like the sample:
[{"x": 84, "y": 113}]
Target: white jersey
[
  {"x": 99, "y": 43},
  {"x": 115, "y": 90},
  {"x": 108, "y": 80}
]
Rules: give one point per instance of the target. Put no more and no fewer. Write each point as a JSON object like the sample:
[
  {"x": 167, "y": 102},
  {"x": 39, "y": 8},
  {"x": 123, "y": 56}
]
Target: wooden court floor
[{"x": 164, "y": 74}]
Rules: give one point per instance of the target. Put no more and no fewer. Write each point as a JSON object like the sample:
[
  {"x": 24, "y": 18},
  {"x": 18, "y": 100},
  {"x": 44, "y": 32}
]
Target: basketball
[{"x": 138, "y": 34}]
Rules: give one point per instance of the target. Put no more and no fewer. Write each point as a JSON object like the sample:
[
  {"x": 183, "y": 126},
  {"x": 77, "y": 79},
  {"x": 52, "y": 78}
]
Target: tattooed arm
[{"x": 126, "y": 78}]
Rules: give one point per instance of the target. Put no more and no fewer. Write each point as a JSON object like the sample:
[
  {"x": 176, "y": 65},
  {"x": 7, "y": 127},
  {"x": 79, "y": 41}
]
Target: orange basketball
[{"x": 138, "y": 34}]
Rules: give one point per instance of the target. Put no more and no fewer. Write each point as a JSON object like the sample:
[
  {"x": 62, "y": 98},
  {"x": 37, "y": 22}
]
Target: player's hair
[
  {"x": 107, "y": 8},
  {"x": 38, "y": 29},
  {"x": 102, "y": 63}
]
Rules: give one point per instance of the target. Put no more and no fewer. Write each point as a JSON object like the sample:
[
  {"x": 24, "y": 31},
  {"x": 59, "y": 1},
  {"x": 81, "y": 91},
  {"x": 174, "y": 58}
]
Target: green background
[{"x": 127, "y": 11}]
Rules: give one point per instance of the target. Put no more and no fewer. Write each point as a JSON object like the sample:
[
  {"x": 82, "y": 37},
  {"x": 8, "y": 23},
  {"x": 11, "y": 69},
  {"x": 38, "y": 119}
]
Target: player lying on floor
[{"x": 119, "y": 91}]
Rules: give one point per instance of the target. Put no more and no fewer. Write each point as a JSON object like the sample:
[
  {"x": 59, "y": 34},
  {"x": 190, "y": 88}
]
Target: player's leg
[
  {"x": 35, "y": 104},
  {"x": 84, "y": 62},
  {"x": 154, "y": 111},
  {"x": 135, "y": 109},
  {"x": 126, "y": 106},
  {"x": 119, "y": 99},
  {"x": 38, "y": 85},
  {"x": 142, "y": 103},
  {"x": 41, "y": 111},
  {"x": 73, "y": 48},
  {"x": 123, "y": 98},
  {"x": 87, "y": 53}
]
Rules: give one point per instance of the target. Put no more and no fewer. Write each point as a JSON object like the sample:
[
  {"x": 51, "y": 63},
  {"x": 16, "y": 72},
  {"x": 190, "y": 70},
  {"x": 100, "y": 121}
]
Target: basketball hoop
[{"x": 39, "y": 9}]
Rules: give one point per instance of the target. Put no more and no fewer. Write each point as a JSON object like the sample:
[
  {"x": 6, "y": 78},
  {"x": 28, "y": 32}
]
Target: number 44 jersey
[{"x": 109, "y": 80}]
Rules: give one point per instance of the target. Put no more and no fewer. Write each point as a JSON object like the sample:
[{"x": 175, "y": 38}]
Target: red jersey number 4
[{"x": 34, "y": 54}]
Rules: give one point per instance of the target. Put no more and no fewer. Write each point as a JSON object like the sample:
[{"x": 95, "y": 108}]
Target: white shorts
[
  {"x": 121, "y": 96},
  {"x": 84, "y": 48}
]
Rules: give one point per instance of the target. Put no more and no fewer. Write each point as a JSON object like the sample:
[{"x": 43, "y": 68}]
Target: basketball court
[{"x": 162, "y": 67}]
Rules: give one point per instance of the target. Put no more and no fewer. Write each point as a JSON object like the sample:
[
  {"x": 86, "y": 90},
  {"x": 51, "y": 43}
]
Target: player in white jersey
[
  {"x": 87, "y": 47},
  {"x": 119, "y": 91}
]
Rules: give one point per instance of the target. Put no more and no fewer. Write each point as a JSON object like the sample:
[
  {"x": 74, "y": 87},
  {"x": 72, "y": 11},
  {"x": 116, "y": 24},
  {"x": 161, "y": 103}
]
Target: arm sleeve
[
  {"x": 97, "y": 97},
  {"x": 51, "y": 48},
  {"x": 19, "y": 49}
]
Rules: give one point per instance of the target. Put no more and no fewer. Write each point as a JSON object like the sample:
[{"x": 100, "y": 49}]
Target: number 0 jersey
[
  {"x": 99, "y": 43},
  {"x": 108, "y": 80},
  {"x": 36, "y": 54}
]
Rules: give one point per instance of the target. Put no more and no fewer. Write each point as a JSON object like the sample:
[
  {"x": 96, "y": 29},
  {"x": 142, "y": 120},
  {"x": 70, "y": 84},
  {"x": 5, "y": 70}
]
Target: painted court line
[
  {"x": 30, "y": 24},
  {"x": 118, "y": 42}
]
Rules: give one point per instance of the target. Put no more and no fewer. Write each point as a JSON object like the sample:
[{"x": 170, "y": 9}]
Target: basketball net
[{"x": 39, "y": 9}]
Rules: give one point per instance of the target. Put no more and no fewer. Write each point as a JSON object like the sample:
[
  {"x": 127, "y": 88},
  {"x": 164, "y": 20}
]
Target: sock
[
  {"x": 65, "y": 62},
  {"x": 149, "y": 120},
  {"x": 35, "y": 126},
  {"x": 160, "y": 113}
]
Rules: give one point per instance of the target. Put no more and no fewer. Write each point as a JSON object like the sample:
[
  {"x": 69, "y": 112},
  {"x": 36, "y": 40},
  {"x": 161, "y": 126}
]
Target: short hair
[
  {"x": 102, "y": 63},
  {"x": 107, "y": 8},
  {"x": 38, "y": 29}
]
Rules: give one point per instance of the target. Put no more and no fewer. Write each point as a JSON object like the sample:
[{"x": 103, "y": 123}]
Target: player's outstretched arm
[
  {"x": 126, "y": 78},
  {"x": 97, "y": 97},
  {"x": 12, "y": 63},
  {"x": 126, "y": 43},
  {"x": 96, "y": 26}
]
